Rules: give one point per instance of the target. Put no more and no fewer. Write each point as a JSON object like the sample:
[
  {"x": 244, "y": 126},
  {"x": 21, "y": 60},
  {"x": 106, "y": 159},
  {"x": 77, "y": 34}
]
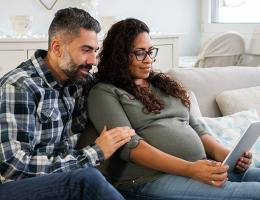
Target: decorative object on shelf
[
  {"x": 48, "y": 4},
  {"x": 21, "y": 25}
]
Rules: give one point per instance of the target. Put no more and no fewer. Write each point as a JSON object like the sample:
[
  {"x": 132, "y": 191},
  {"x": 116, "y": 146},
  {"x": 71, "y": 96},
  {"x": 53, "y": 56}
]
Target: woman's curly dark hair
[{"x": 113, "y": 67}]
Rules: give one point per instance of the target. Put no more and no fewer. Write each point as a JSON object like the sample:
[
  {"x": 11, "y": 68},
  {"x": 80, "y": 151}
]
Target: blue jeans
[
  {"x": 243, "y": 186},
  {"x": 81, "y": 184}
]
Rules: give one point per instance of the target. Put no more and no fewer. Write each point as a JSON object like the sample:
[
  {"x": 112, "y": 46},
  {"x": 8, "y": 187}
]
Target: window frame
[
  {"x": 214, "y": 15},
  {"x": 208, "y": 27}
]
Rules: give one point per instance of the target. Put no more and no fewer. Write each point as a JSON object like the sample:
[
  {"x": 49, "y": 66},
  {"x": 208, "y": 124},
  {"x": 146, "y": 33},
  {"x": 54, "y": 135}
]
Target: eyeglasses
[{"x": 141, "y": 54}]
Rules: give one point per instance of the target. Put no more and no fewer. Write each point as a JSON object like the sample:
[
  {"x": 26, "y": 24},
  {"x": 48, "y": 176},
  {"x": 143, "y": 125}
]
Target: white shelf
[{"x": 13, "y": 51}]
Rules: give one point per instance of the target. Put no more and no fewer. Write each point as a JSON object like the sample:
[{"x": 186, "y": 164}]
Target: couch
[{"x": 207, "y": 83}]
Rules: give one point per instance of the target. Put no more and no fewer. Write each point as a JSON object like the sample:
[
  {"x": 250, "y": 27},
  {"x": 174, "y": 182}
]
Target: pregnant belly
[{"x": 176, "y": 138}]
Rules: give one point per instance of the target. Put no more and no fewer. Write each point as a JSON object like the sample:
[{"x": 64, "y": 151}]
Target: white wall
[
  {"x": 169, "y": 16},
  {"x": 166, "y": 16},
  {"x": 41, "y": 16}
]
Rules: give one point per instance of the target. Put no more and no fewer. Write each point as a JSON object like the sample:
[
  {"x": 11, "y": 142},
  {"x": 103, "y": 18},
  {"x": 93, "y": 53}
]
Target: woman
[{"x": 168, "y": 158}]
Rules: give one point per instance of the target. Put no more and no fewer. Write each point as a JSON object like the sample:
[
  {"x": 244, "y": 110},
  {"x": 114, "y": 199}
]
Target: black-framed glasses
[{"x": 141, "y": 54}]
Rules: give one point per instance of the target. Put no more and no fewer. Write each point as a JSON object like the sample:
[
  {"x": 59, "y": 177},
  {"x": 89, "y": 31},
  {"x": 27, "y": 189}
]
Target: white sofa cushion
[
  {"x": 228, "y": 129},
  {"x": 194, "y": 108},
  {"x": 233, "y": 101}
]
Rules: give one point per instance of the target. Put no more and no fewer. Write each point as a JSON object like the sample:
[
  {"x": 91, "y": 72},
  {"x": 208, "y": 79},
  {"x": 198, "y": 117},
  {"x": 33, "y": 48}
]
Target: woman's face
[{"x": 142, "y": 56}]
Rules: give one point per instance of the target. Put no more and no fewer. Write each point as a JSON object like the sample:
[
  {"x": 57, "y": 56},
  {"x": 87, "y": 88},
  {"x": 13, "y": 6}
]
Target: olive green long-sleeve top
[{"x": 173, "y": 130}]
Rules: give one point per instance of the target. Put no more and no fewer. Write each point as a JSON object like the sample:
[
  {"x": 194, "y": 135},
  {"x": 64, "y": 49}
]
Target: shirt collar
[
  {"x": 45, "y": 73},
  {"x": 43, "y": 70}
]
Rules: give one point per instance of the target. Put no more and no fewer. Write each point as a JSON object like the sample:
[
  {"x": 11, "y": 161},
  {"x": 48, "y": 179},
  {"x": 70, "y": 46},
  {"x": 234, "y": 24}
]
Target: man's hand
[
  {"x": 210, "y": 172},
  {"x": 244, "y": 162},
  {"x": 110, "y": 140}
]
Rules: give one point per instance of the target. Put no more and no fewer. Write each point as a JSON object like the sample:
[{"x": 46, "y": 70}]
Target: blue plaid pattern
[{"x": 40, "y": 122}]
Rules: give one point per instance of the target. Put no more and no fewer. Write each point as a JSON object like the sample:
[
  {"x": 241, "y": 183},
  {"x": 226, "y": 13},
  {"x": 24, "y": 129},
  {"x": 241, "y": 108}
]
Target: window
[{"x": 235, "y": 11}]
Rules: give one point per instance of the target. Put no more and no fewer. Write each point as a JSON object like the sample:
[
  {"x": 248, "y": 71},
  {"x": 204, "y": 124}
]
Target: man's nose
[{"x": 92, "y": 59}]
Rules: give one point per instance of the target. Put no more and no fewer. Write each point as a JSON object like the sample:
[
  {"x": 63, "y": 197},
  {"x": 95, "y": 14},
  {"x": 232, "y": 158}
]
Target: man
[{"x": 42, "y": 112}]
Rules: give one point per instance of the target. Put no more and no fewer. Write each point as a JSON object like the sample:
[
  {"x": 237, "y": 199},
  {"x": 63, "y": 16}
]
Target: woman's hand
[
  {"x": 210, "y": 172},
  {"x": 244, "y": 162}
]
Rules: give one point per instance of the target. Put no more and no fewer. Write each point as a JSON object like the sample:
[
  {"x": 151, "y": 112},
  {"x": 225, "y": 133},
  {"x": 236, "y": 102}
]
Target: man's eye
[{"x": 86, "y": 50}]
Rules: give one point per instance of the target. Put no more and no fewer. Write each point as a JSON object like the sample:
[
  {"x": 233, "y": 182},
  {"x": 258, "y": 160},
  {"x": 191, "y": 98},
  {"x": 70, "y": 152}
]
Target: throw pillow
[
  {"x": 194, "y": 108},
  {"x": 228, "y": 129},
  {"x": 233, "y": 101}
]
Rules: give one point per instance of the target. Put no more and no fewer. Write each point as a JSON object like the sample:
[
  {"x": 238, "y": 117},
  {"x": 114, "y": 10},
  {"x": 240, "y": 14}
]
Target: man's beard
[
  {"x": 71, "y": 69},
  {"x": 73, "y": 73}
]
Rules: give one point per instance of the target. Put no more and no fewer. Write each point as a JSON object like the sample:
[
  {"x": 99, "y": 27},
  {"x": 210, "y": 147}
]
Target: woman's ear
[{"x": 131, "y": 58}]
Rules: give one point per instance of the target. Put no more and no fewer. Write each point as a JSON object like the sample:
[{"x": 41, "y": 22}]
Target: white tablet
[{"x": 245, "y": 143}]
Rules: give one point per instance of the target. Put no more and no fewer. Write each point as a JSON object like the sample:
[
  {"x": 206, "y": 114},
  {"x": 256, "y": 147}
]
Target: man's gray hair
[{"x": 69, "y": 21}]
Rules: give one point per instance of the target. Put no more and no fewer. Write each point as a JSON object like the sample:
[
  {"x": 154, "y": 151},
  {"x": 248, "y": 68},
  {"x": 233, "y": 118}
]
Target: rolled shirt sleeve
[
  {"x": 196, "y": 125},
  {"x": 104, "y": 109}
]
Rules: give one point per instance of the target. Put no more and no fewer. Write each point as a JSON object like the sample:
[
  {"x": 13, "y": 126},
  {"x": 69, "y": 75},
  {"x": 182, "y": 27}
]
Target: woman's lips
[{"x": 145, "y": 68}]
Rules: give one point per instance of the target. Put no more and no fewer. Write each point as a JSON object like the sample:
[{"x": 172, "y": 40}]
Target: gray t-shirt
[{"x": 173, "y": 130}]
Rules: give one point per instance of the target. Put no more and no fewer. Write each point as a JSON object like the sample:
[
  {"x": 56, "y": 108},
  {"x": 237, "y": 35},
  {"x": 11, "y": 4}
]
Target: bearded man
[{"x": 43, "y": 112}]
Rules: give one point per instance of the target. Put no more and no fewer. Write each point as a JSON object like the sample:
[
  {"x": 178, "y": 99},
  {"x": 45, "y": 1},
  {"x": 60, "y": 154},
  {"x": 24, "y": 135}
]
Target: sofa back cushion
[
  {"x": 207, "y": 83},
  {"x": 232, "y": 101}
]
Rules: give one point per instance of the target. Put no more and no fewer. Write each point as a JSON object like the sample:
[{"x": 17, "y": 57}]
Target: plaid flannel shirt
[{"x": 40, "y": 121}]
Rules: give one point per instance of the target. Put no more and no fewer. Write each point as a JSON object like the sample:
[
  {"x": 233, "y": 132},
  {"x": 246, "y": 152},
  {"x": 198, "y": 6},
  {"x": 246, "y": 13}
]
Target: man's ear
[{"x": 56, "y": 46}]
